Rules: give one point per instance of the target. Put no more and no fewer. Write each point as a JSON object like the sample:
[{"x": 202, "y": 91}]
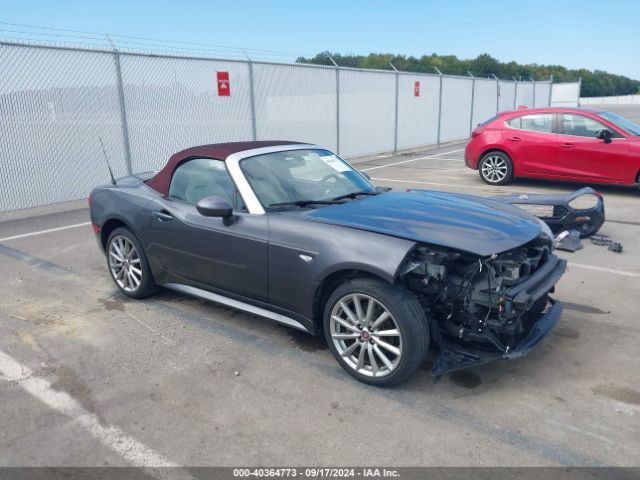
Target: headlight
[
  {"x": 584, "y": 202},
  {"x": 545, "y": 228}
]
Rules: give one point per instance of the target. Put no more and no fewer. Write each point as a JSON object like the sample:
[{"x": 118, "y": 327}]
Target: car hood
[{"x": 461, "y": 222}]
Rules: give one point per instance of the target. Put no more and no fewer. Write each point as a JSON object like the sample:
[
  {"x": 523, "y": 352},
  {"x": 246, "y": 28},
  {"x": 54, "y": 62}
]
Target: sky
[{"x": 576, "y": 34}]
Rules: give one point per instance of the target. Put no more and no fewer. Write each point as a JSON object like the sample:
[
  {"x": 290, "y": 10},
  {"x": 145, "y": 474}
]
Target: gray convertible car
[{"x": 291, "y": 232}]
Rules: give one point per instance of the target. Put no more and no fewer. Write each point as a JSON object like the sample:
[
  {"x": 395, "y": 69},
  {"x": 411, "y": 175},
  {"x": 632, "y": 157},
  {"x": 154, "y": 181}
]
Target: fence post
[
  {"x": 123, "y": 108},
  {"x": 497, "y": 93},
  {"x": 515, "y": 93},
  {"x": 395, "y": 123},
  {"x": 534, "y": 92},
  {"x": 550, "y": 89},
  {"x": 473, "y": 94},
  {"x": 579, "y": 89},
  {"x": 252, "y": 99},
  {"x": 439, "y": 106},
  {"x": 337, "y": 104}
]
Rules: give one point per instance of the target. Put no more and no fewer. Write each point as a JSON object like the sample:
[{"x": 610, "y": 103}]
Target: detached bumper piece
[
  {"x": 557, "y": 210},
  {"x": 456, "y": 357}
]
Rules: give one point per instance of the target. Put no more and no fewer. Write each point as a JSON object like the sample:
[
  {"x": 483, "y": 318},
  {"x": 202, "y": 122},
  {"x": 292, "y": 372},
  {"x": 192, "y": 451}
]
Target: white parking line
[
  {"x": 42, "y": 232},
  {"x": 412, "y": 160},
  {"x": 624, "y": 273},
  {"x": 432, "y": 183},
  {"x": 495, "y": 190},
  {"x": 112, "y": 437}
]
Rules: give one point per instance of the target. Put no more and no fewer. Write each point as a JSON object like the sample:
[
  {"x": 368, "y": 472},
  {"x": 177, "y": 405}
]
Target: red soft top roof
[{"x": 220, "y": 151}]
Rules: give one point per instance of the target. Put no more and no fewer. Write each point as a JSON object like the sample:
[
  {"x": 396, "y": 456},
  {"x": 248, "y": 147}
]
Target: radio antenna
[{"x": 106, "y": 159}]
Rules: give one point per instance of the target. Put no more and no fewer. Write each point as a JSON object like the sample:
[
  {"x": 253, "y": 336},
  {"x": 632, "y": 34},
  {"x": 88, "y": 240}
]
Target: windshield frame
[
  {"x": 615, "y": 118},
  {"x": 369, "y": 187}
]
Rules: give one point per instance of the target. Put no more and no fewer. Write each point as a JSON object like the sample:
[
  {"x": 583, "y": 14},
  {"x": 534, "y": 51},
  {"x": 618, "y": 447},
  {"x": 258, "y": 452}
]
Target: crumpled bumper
[{"x": 456, "y": 357}]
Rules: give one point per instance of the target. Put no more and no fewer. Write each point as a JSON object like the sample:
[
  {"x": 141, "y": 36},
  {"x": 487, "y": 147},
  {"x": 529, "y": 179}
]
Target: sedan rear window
[
  {"x": 488, "y": 121},
  {"x": 535, "y": 122}
]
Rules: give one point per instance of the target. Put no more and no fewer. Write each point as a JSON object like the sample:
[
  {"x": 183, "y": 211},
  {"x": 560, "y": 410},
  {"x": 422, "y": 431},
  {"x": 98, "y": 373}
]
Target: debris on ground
[
  {"x": 569, "y": 240},
  {"x": 605, "y": 241}
]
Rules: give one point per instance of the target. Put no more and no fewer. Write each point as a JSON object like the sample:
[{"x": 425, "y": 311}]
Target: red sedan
[{"x": 569, "y": 144}]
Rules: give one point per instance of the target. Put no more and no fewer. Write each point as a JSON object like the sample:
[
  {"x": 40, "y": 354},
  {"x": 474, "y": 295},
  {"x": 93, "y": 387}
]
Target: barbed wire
[
  {"x": 82, "y": 38},
  {"x": 71, "y": 38}
]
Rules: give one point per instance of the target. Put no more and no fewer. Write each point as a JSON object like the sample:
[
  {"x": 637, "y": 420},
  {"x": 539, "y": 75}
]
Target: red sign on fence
[
  {"x": 416, "y": 88},
  {"x": 224, "y": 89}
]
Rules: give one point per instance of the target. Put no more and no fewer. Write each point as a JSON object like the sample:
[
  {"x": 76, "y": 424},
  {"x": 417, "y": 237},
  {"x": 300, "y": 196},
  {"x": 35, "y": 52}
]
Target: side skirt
[{"x": 237, "y": 304}]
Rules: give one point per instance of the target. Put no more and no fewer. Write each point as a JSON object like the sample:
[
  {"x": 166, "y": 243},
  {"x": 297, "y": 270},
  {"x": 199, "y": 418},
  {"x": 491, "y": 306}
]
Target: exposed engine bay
[{"x": 489, "y": 304}]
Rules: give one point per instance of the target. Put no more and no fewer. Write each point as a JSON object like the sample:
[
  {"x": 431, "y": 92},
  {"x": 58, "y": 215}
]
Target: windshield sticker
[{"x": 336, "y": 164}]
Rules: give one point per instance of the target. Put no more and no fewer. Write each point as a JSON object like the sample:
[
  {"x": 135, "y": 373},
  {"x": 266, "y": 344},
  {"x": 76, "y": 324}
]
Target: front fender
[{"x": 303, "y": 254}]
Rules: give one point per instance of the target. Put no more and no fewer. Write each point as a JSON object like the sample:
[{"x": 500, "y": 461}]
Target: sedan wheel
[
  {"x": 377, "y": 331},
  {"x": 496, "y": 168},
  {"x": 366, "y": 335}
]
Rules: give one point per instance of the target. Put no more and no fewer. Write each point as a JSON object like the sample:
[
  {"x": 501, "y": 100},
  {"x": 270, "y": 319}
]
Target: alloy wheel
[
  {"x": 124, "y": 262},
  {"x": 494, "y": 169},
  {"x": 366, "y": 335}
]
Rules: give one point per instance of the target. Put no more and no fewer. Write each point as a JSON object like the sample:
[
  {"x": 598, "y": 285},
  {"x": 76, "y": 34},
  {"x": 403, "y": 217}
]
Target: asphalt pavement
[{"x": 92, "y": 378}]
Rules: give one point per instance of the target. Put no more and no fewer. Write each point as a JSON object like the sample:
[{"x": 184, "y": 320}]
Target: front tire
[
  {"x": 377, "y": 332},
  {"x": 496, "y": 168},
  {"x": 128, "y": 264}
]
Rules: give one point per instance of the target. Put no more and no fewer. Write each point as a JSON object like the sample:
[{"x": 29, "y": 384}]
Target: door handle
[
  {"x": 515, "y": 139},
  {"x": 567, "y": 145},
  {"x": 162, "y": 216}
]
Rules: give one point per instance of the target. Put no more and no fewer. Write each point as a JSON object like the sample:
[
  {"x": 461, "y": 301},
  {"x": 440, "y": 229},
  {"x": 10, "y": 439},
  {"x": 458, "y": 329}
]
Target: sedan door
[
  {"x": 583, "y": 156},
  {"x": 532, "y": 144},
  {"x": 209, "y": 252}
]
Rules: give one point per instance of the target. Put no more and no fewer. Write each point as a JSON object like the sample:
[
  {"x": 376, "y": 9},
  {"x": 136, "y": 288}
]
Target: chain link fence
[{"x": 56, "y": 102}]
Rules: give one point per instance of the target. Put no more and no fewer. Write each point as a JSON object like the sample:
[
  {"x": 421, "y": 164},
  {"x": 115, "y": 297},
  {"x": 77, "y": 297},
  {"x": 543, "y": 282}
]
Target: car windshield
[
  {"x": 625, "y": 124},
  {"x": 302, "y": 178}
]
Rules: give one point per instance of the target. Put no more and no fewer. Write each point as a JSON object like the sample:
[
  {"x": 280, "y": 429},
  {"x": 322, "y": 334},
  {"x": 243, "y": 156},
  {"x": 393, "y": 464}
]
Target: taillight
[{"x": 476, "y": 132}]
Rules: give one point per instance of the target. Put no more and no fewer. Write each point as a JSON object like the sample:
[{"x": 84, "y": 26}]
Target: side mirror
[
  {"x": 605, "y": 135},
  {"x": 365, "y": 175},
  {"x": 215, "y": 207}
]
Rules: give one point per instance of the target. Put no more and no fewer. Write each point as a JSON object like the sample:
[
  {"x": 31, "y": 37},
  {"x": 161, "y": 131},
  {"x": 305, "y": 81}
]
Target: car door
[
  {"x": 532, "y": 144},
  {"x": 209, "y": 252},
  {"x": 583, "y": 156}
]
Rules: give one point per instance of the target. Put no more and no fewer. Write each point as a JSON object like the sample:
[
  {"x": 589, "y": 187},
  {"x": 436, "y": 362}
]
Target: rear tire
[
  {"x": 383, "y": 338},
  {"x": 496, "y": 168},
  {"x": 128, "y": 264}
]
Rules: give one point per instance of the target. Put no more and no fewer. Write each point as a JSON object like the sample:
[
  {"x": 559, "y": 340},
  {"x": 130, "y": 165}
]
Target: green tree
[{"x": 594, "y": 83}]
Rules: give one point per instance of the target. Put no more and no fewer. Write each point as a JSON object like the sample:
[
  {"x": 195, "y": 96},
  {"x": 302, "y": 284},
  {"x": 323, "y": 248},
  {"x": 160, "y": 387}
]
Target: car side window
[
  {"x": 582, "y": 126},
  {"x": 199, "y": 178},
  {"x": 536, "y": 122}
]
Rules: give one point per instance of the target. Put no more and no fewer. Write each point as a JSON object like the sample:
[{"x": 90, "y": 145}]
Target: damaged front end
[{"x": 484, "y": 308}]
